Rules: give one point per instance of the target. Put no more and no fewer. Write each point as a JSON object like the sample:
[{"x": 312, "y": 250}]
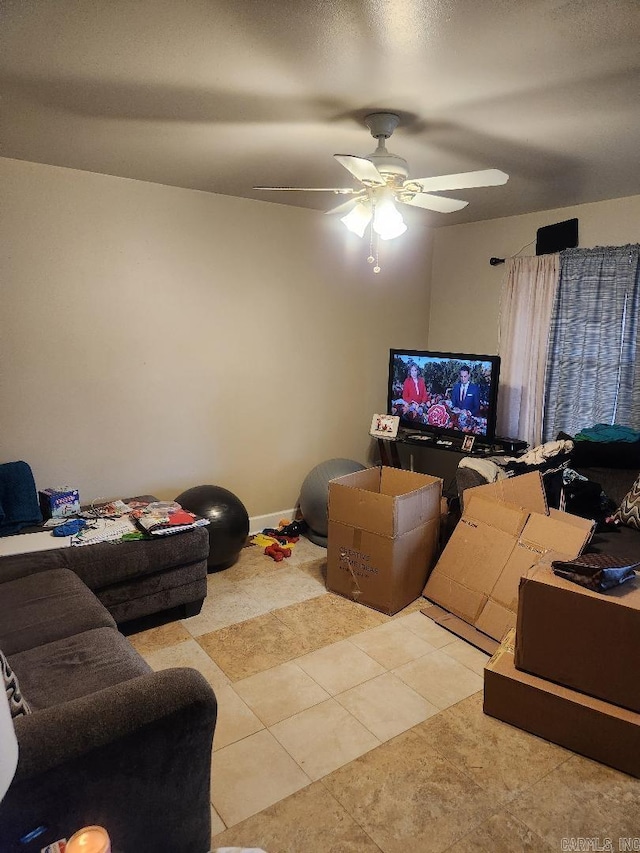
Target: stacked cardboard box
[
  {"x": 568, "y": 673},
  {"x": 586, "y": 640},
  {"x": 384, "y": 526}
]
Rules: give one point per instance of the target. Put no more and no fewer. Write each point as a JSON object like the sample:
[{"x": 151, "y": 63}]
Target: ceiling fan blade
[
  {"x": 341, "y": 190},
  {"x": 434, "y": 202},
  {"x": 345, "y": 207},
  {"x": 362, "y": 169},
  {"x": 462, "y": 181}
]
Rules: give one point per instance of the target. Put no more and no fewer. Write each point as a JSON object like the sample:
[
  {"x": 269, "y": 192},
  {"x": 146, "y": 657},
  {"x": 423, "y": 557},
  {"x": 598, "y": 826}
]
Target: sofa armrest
[{"x": 134, "y": 757}]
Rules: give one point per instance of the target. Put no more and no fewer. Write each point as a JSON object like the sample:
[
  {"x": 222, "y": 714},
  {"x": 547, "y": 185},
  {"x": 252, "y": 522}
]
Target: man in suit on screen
[{"x": 466, "y": 394}]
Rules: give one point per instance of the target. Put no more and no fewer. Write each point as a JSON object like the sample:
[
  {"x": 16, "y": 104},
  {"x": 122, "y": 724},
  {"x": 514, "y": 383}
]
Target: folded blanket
[
  {"x": 488, "y": 469},
  {"x": 18, "y": 498},
  {"x": 608, "y": 432}
]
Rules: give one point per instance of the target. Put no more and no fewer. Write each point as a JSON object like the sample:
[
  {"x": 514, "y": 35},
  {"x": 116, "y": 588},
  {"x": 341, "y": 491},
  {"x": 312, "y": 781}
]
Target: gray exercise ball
[{"x": 314, "y": 495}]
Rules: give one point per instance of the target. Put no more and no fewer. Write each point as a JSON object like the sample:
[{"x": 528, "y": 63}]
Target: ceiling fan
[{"x": 384, "y": 179}]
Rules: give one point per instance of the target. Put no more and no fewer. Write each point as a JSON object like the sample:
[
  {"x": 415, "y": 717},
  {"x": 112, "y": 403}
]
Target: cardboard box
[
  {"x": 582, "y": 639},
  {"x": 58, "y": 503},
  {"x": 384, "y": 529},
  {"x": 460, "y": 628},
  {"x": 586, "y": 725},
  {"x": 504, "y": 531}
]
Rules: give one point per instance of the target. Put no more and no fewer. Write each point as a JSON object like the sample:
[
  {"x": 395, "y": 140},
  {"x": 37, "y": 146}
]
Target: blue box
[{"x": 59, "y": 503}]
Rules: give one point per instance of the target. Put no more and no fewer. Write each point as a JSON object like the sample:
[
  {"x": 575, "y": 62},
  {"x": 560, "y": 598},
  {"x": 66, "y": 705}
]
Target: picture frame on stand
[
  {"x": 467, "y": 443},
  {"x": 384, "y": 426}
]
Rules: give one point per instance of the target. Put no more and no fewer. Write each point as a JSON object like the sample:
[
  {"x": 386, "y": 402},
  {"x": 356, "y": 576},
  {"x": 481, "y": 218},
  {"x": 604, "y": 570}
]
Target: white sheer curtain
[{"x": 526, "y": 303}]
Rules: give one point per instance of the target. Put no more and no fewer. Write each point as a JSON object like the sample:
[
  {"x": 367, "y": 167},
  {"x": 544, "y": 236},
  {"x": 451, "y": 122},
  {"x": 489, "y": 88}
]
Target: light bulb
[
  {"x": 357, "y": 219},
  {"x": 387, "y": 221}
]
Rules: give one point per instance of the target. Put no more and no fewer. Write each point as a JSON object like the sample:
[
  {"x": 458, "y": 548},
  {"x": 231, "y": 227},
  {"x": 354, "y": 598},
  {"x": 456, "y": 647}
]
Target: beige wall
[
  {"x": 465, "y": 288},
  {"x": 154, "y": 338}
]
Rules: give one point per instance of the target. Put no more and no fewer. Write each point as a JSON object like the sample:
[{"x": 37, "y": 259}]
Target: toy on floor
[
  {"x": 278, "y": 542},
  {"x": 277, "y": 552}
]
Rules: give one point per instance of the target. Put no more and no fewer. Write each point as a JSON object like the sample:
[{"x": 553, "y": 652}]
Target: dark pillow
[
  {"x": 17, "y": 704},
  {"x": 629, "y": 510}
]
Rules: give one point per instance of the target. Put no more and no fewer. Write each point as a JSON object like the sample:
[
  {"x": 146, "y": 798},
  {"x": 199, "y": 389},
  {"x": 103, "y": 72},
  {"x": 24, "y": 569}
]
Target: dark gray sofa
[
  {"x": 132, "y": 579},
  {"x": 108, "y": 741}
]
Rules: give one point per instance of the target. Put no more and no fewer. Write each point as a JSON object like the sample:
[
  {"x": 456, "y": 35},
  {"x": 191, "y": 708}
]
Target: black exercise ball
[{"x": 228, "y": 522}]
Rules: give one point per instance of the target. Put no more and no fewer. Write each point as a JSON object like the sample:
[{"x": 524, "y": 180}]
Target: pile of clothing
[{"x": 565, "y": 488}]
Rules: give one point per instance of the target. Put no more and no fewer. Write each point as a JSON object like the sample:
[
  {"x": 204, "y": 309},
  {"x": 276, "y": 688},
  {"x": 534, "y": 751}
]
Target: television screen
[{"x": 443, "y": 392}]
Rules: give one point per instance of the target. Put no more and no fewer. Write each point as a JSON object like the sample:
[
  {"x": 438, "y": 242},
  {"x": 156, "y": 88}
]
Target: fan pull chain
[
  {"x": 376, "y": 269},
  {"x": 374, "y": 259}
]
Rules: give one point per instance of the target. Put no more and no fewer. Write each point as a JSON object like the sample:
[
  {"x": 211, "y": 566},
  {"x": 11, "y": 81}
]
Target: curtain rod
[{"x": 496, "y": 261}]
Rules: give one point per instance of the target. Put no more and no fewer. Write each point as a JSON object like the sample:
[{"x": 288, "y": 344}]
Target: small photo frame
[
  {"x": 468, "y": 442},
  {"x": 384, "y": 426}
]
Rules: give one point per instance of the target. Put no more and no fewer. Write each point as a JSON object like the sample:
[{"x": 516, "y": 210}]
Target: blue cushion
[{"x": 18, "y": 498}]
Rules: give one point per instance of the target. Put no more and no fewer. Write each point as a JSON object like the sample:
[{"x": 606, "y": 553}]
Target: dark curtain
[{"x": 593, "y": 341}]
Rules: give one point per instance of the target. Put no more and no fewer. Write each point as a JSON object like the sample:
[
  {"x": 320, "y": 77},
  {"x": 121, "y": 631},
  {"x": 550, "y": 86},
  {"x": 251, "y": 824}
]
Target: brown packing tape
[
  {"x": 345, "y": 560},
  {"x": 507, "y": 647}
]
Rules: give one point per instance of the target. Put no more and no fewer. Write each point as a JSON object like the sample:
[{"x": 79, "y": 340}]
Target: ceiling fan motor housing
[
  {"x": 389, "y": 165},
  {"x": 382, "y": 124}
]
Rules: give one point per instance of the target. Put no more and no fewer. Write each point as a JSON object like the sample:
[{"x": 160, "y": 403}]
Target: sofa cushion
[
  {"x": 47, "y": 606},
  {"x": 76, "y": 666},
  {"x": 629, "y": 510},
  {"x": 17, "y": 704}
]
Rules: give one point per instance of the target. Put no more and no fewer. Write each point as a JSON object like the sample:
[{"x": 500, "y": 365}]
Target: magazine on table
[{"x": 162, "y": 518}]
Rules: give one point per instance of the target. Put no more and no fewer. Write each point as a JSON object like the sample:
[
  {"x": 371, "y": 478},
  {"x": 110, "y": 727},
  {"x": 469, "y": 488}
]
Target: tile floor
[{"x": 341, "y": 729}]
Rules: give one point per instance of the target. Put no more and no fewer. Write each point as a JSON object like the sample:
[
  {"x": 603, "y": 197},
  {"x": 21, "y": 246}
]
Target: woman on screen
[{"x": 414, "y": 391}]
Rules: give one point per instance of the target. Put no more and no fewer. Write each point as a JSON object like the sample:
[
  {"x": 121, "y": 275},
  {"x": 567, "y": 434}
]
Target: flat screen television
[{"x": 445, "y": 393}]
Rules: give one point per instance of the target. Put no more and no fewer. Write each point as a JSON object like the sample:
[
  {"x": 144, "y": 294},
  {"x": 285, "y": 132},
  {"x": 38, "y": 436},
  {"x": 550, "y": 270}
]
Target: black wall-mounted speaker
[{"x": 555, "y": 238}]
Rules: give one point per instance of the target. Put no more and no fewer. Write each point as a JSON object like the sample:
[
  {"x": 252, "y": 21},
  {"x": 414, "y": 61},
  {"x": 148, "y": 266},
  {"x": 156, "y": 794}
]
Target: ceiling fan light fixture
[
  {"x": 358, "y": 218},
  {"x": 387, "y": 219}
]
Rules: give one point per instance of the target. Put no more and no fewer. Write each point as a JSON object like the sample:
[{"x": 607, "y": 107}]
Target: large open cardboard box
[
  {"x": 586, "y": 640},
  {"x": 384, "y": 526},
  {"x": 506, "y": 528},
  {"x": 594, "y": 728}
]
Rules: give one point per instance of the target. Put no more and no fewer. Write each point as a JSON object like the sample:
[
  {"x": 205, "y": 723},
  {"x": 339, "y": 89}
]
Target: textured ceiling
[{"x": 221, "y": 96}]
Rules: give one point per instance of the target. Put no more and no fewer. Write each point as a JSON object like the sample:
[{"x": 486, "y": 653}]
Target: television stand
[{"x": 430, "y": 453}]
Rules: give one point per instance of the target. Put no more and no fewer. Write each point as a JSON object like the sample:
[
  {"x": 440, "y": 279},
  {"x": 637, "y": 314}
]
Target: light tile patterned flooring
[{"x": 341, "y": 729}]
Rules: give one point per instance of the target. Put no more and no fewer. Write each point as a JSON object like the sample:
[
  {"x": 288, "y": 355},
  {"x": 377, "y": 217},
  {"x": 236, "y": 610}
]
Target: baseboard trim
[{"x": 259, "y": 522}]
